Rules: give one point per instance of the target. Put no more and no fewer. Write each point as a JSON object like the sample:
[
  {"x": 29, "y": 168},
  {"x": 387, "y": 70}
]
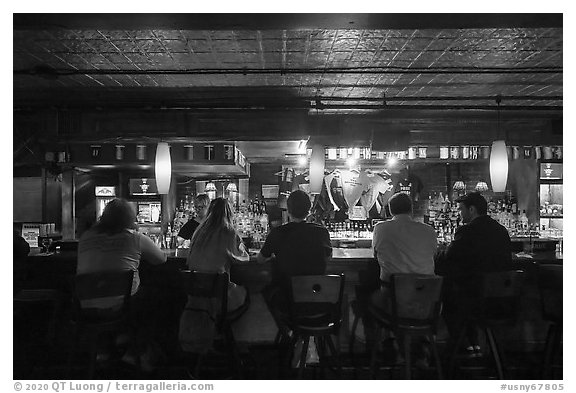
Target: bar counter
[{"x": 55, "y": 270}]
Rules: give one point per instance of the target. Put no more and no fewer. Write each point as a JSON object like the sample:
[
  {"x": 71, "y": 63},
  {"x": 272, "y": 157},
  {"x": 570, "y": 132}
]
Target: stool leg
[
  {"x": 303, "y": 356},
  {"x": 71, "y": 351},
  {"x": 233, "y": 349},
  {"x": 352, "y": 338},
  {"x": 321, "y": 349},
  {"x": 432, "y": 339},
  {"x": 495, "y": 352},
  {"x": 548, "y": 351},
  {"x": 407, "y": 356},
  {"x": 453, "y": 352},
  {"x": 374, "y": 356},
  {"x": 335, "y": 353},
  {"x": 93, "y": 352}
]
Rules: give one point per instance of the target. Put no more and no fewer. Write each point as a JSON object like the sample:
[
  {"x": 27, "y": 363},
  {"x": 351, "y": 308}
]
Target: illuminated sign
[{"x": 105, "y": 191}]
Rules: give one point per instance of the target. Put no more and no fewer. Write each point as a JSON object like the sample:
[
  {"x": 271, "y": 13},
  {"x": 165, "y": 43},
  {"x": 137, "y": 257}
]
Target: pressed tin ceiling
[{"x": 325, "y": 63}]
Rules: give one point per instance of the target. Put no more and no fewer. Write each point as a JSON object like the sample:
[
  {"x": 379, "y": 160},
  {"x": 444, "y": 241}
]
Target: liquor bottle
[{"x": 523, "y": 221}]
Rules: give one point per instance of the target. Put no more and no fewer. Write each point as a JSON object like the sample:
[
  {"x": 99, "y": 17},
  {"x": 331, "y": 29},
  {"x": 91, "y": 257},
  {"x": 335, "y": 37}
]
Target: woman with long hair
[{"x": 215, "y": 245}]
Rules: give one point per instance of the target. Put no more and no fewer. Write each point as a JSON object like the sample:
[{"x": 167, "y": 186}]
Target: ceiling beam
[{"x": 283, "y": 21}]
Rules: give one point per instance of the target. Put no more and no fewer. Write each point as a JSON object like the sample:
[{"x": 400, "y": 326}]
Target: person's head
[
  {"x": 219, "y": 219},
  {"x": 400, "y": 203},
  {"x": 201, "y": 204},
  {"x": 298, "y": 205},
  {"x": 117, "y": 216},
  {"x": 472, "y": 205}
]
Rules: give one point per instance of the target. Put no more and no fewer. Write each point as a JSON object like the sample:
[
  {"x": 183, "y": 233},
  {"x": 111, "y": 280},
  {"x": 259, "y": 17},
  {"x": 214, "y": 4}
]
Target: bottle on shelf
[{"x": 523, "y": 222}]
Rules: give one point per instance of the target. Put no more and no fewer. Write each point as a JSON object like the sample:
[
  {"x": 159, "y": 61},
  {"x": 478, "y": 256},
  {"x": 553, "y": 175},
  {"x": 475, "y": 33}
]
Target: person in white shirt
[{"x": 403, "y": 245}]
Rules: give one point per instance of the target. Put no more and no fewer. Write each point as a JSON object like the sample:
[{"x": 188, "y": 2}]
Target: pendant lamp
[
  {"x": 210, "y": 189},
  {"x": 498, "y": 160},
  {"x": 231, "y": 187},
  {"x": 316, "y": 169},
  {"x": 459, "y": 186},
  {"x": 163, "y": 167},
  {"x": 481, "y": 186}
]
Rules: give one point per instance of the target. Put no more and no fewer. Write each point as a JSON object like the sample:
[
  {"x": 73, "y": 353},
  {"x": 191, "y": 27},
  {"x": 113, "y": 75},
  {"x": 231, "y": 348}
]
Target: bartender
[{"x": 201, "y": 203}]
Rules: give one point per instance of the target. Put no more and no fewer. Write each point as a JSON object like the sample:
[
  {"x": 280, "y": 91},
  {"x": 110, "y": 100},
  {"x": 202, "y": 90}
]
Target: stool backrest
[
  {"x": 212, "y": 287},
  {"x": 493, "y": 296},
  {"x": 550, "y": 283},
  {"x": 317, "y": 289},
  {"x": 94, "y": 291},
  {"x": 416, "y": 297},
  {"x": 317, "y": 300}
]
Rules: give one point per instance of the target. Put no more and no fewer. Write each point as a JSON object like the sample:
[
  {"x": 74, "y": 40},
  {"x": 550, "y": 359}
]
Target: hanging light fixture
[
  {"x": 459, "y": 186},
  {"x": 498, "y": 160},
  {"x": 481, "y": 186},
  {"x": 210, "y": 189},
  {"x": 231, "y": 187},
  {"x": 316, "y": 169},
  {"x": 163, "y": 167}
]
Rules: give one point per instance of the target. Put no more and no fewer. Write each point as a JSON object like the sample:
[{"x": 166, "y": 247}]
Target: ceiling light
[
  {"x": 163, "y": 167},
  {"x": 317, "y": 169},
  {"x": 302, "y": 160},
  {"x": 459, "y": 186},
  {"x": 481, "y": 186},
  {"x": 392, "y": 161},
  {"x": 498, "y": 160}
]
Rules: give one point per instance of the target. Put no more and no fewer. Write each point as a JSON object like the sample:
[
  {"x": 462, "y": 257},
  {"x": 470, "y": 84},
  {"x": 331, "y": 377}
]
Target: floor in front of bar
[
  {"x": 263, "y": 362},
  {"x": 33, "y": 359}
]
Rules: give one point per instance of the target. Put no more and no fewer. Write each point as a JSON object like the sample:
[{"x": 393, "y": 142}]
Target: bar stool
[
  {"x": 91, "y": 321},
  {"x": 210, "y": 294},
  {"x": 415, "y": 309},
  {"x": 315, "y": 312},
  {"x": 487, "y": 300},
  {"x": 550, "y": 284}
]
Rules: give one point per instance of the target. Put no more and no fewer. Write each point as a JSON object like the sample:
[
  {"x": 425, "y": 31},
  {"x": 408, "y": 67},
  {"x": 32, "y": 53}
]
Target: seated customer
[
  {"x": 401, "y": 245},
  {"x": 480, "y": 245},
  {"x": 215, "y": 245},
  {"x": 114, "y": 244},
  {"x": 297, "y": 248}
]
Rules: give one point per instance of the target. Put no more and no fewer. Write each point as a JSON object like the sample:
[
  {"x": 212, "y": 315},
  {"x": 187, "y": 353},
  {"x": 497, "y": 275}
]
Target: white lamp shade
[
  {"x": 481, "y": 186},
  {"x": 231, "y": 187},
  {"x": 459, "y": 186},
  {"x": 498, "y": 166},
  {"x": 210, "y": 187},
  {"x": 163, "y": 167},
  {"x": 316, "y": 169}
]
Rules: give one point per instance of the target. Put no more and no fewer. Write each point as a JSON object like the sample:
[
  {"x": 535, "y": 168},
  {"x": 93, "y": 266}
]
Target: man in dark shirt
[
  {"x": 201, "y": 203},
  {"x": 481, "y": 245},
  {"x": 297, "y": 248}
]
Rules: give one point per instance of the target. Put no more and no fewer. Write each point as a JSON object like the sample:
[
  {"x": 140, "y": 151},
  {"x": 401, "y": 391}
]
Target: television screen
[
  {"x": 143, "y": 186},
  {"x": 550, "y": 171}
]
